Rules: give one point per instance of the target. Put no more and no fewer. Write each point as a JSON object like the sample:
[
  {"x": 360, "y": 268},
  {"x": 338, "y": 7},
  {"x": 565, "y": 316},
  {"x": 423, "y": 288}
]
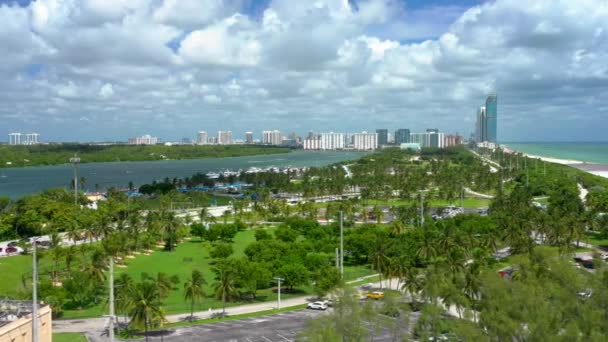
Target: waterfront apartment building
[
  {"x": 480, "y": 125},
  {"x": 428, "y": 139},
  {"x": 382, "y": 136},
  {"x": 402, "y": 136},
  {"x": 248, "y": 137},
  {"x": 14, "y": 139},
  {"x": 202, "y": 138},
  {"x": 325, "y": 141},
  {"x": 487, "y": 120},
  {"x": 23, "y": 139},
  {"x": 332, "y": 141},
  {"x": 224, "y": 137},
  {"x": 272, "y": 137},
  {"x": 365, "y": 141},
  {"x": 452, "y": 140},
  {"x": 491, "y": 118},
  {"x": 144, "y": 140}
]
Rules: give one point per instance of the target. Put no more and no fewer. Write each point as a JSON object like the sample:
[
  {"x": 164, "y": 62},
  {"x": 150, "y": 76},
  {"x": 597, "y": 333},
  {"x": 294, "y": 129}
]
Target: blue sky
[{"x": 109, "y": 69}]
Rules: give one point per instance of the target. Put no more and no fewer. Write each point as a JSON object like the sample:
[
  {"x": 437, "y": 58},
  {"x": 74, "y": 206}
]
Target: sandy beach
[
  {"x": 555, "y": 160},
  {"x": 593, "y": 168}
]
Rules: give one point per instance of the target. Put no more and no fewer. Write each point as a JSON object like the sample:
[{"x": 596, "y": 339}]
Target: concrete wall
[{"x": 21, "y": 329}]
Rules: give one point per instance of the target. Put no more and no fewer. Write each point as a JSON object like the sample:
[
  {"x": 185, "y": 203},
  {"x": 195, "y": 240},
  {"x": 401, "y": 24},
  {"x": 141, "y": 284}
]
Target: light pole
[
  {"x": 421, "y": 208},
  {"x": 341, "y": 244},
  {"x": 279, "y": 292},
  {"x": 34, "y": 292},
  {"x": 75, "y": 160},
  {"x": 111, "y": 325}
]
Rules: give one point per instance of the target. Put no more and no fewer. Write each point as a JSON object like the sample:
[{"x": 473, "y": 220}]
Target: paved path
[{"x": 98, "y": 324}]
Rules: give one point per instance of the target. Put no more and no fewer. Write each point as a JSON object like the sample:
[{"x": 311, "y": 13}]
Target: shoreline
[{"x": 597, "y": 169}]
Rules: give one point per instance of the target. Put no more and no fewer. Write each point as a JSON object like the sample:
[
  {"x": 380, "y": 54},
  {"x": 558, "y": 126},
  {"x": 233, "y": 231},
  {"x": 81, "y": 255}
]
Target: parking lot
[{"x": 282, "y": 327}]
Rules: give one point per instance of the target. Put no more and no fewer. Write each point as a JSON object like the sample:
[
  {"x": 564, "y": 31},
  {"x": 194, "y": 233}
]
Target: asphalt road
[{"x": 283, "y": 327}]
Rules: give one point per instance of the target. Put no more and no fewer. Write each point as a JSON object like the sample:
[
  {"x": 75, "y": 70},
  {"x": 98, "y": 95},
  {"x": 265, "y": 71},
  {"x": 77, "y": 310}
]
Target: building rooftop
[{"x": 12, "y": 310}]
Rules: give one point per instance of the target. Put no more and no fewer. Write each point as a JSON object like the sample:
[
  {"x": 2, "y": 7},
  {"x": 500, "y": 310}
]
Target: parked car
[
  {"x": 367, "y": 286},
  {"x": 375, "y": 295},
  {"x": 317, "y": 306}
]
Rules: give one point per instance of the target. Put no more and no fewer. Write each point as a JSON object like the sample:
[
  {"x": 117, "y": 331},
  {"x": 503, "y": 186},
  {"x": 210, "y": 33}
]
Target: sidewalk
[{"x": 98, "y": 324}]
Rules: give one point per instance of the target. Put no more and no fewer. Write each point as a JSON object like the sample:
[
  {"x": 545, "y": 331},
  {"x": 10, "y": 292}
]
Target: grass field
[
  {"x": 594, "y": 239},
  {"x": 69, "y": 337},
  {"x": 468, "y": 202},
  {"x": 178, "y": 263}
]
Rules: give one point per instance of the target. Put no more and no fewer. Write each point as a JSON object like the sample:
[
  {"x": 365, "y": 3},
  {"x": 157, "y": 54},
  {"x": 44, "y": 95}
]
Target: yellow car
[{"x": 375, "y": 295}]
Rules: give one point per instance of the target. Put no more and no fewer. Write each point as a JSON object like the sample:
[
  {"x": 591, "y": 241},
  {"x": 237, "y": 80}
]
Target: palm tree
[
  {"x": 225, "y": 285},
  {"x": 123, "y": 286},
  {"x": 193, "y": 290},
  {"x": 69, "y": 254},
  {"x": 145, "y": 305}
]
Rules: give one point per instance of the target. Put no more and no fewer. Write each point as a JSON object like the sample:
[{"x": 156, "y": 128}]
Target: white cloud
[
  {"x": 225, "y": 43},
  {"x": 212, "y": 99},
  {"x": 106, "y": 91},
  {"x": 323, "y": 64}
]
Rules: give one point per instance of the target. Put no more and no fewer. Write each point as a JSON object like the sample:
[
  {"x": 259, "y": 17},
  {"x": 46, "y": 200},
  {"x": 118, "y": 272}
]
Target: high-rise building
[
  {"x": 144, "y": 140},
  {"x": 480, "y": 125},
  {"x": 428, "y": 139},
  {"x": 272, "y": 137},
  {"x": 31, "y": 139},
  {"x": 402, "y": 136},
  {"x": 332, "y": 141},
  {"x": 14, "y": 139},
  {"x": 365, "y": 141},
  {"x": 432, "y": 130},
  {"x": 224, "y": 137},
  {"x": 248, "y": 137},
  {"x": 202, "y": 138},
  {"x": 491, "y": 118},
  {"x": 382, "y": 136}
]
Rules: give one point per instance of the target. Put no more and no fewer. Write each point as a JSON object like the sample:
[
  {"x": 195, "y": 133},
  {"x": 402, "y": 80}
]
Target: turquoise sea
[{"x": 590, "y": 152}]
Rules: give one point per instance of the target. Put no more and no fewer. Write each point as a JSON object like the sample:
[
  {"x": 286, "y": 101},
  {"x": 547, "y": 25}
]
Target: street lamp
[
  {"x": 278, "y": 291},
  {"x": 34, "y": 241},
  {"x": 75, "y": 160}
]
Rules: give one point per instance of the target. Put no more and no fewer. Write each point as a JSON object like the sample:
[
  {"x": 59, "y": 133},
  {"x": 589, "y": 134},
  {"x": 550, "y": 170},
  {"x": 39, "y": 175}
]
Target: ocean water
[{"x": 590, "y": 152}]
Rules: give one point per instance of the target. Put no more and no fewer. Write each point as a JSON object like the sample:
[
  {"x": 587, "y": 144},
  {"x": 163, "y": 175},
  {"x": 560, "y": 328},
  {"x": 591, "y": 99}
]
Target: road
[
  {"x": 282, "y": 327},
  {"x": 97, "y": 325}
]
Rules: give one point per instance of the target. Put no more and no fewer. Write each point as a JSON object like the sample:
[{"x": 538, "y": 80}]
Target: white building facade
[
  {"x": 144, "y": 140},
  {"x": 202, "y": 138},
  {"x": 272, "y": 137},
  {"x": 365, "y": 141},
  {"x": 224, "y": 137}
]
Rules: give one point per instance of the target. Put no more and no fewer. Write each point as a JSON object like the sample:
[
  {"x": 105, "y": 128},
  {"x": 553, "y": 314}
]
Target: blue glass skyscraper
[{"x": 491, "y": 118}]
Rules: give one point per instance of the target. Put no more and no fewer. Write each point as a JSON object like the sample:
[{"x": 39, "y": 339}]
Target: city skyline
[{"x": 357, "y": 64}]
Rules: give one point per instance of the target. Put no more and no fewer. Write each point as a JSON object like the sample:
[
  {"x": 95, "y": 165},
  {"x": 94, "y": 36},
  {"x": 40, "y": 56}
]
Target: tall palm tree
[
  {"x": 145, "y": 305},
  {"x": 123, "y": 286},
  {"x": 193, "y": 290},
  {"x": 225, "y": 285}
]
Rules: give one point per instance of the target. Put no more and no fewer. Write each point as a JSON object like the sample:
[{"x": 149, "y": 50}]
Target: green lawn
[
  {"x": 69, "y": 337},
  {"x": 12, "y": 270},
  {"x": 468, "y": 202},
  {"x": 594, "y": 239}
]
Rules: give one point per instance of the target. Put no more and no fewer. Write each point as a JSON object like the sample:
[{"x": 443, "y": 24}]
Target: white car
[{"x": 317, "y": 306}]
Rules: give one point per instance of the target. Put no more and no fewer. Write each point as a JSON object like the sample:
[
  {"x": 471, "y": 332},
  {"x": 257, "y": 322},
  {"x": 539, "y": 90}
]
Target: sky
[{"x": 93, "y": 70}]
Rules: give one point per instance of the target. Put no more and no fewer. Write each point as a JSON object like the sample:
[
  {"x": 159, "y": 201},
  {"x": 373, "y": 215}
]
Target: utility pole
[
  {"x": 34, "y": 293},
  {"x": 421, "y": 209},
  {"x": 111, "y": 326},
  {"x": 341, "y": 245},
  {"x": 337, "y": 258},
  {"x": 462, "y": 196},
  {"x": 75, "y": 160},
  {"x": 278, "y": 292}
]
